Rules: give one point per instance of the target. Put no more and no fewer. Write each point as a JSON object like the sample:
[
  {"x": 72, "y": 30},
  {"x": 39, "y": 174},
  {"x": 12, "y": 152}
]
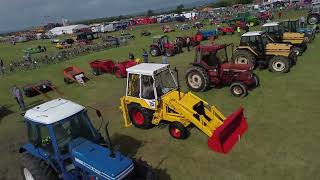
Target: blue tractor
[{"x": 63, "y": 144}]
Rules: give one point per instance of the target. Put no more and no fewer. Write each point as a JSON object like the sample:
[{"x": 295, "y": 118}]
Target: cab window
[
  {"x": 133, "y": 85},
  {"x": 147, "y": 87}
]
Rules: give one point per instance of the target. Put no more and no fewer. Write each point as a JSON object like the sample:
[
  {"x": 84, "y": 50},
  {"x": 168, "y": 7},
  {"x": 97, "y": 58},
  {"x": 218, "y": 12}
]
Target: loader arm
[{"x": 223, "y": 132}]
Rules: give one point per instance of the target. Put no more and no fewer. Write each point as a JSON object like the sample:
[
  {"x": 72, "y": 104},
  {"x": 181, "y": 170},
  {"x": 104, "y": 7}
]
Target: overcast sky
[{"x": 17, "y": 14}]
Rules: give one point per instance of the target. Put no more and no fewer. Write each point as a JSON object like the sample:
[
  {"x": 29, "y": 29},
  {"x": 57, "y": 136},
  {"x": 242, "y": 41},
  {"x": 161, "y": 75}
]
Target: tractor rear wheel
[
  {"x": 279, "y": 64},
  {"x": 140, "y": 117},
  {"x": 35, "y": 169},
  {"x": 313, "y": 19},
  {"x": 178, "y": 131},
  {"x": 154, "y": 51},
  {"x": 197, "y": 79},
  {"x": 239, "y": 89},
  {"x": 244, "y": 57}
]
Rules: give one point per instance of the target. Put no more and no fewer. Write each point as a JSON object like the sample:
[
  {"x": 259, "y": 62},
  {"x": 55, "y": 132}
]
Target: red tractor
[
  {"x": 108, "y": 66},
  {"x": 161, "y": 45},
  {"x": 209, "y": 69}
]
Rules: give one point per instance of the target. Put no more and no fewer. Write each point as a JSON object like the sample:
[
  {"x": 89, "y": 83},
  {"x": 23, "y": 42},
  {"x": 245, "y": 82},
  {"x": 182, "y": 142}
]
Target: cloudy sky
[{"x": 17, "y": 14}]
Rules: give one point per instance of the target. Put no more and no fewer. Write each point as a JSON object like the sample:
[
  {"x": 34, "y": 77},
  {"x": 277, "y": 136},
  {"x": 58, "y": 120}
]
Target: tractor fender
[
  {"x": 247, "y": 48},
  {"x": 33, "y": 151}
]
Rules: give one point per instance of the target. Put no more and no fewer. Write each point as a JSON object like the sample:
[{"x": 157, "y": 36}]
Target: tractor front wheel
[
  {"x": 279, "y": 64},
  {"x": 239, "y": 89},
  {"x": 313, "y": 19},
  {"x": 154, "y": 51},
  {"x": 256, "y": 80},
  {"x": 197, "y": 79},
  {"x": 169, "y": 53},
  {"x": 140, "y": 117},
  {"x": 33, "y": 169},
  {"x": 178, "y": 131},
  {"x": 244, "y": 57}
]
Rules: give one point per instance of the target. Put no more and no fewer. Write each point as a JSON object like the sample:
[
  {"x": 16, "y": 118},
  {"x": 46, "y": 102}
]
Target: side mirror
[{"x": 98, "y": 113}]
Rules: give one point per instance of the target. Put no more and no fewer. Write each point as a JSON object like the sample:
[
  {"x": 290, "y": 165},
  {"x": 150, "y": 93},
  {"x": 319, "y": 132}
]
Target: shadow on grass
[
  {"x": 5, "y": 111},
  {"x": 129, "y": 146}
]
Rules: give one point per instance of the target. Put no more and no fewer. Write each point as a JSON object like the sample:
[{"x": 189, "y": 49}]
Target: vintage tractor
[
  {"x": 258, "y": 49},
  {"x": 161, "y": 45},
  {"x": 40, "y": 88},
  {"x": 108, "y": 66},
  {"x": 294, "y": 26},
  {"x": 193, "y": 41},
  {"x": 153, "y": 96},
  {"x": 209, "y": 69},
  {"x": 277, "y": 32},
  {"x": 202, "y": 35},
  {"x": 63, "y": 144}
]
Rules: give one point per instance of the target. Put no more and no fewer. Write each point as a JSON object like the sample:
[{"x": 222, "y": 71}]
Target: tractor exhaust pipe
[
  {"x": 108, "y": 141},
  {"x": 176, "y": 70}
]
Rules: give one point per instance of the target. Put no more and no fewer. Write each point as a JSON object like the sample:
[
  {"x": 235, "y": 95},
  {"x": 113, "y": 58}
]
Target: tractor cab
[
  {"x": 150, "y": 82},
  {"x": 61, "y": 135},
  {"x": 257, "y": 41},
  {"x": 215, "y": 57}
]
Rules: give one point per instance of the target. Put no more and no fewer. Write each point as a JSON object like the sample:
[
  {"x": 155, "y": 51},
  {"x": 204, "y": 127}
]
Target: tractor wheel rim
[
  {"x": 278, "y": 66},
  {"x": 242, "y": 60},
  {"x": 175, "y": 132},
  {"x": 27, "y": 174},
  {"x": 313, "y": 20},
  {"x": 237, "y": 90},
  {"x": 154, "y": 52},
  {"x": 138, "y": 117},
  {"x": 195, "y": 81}
]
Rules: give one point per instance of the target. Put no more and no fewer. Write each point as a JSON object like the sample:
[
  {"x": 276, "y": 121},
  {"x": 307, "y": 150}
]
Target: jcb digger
[{"x": 153, "y": 96}]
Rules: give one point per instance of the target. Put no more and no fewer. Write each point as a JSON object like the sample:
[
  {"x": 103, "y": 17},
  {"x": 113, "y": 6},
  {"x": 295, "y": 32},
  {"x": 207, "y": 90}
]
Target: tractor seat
[{"x": 236, "y": 67}]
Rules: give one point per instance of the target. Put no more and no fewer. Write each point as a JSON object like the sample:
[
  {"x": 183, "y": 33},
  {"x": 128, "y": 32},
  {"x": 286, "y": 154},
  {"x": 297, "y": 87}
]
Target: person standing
[
  {"x": 1, "y": 67},
  {"x": 247, "y": 27},
  {"x": 165, "y": 59},
  {"x": 17, "y": 94},
  {"x": 302, "y": 21},
  {"x": 145, "y": 56},
  {"x": 131, "y": 56},
  {"x": 188, "y": 43},
  {"x": 280, "y": 14},
  {"x": 239, "y": 30}
]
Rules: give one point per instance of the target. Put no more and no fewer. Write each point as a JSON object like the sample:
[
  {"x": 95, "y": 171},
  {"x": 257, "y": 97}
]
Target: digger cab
[{"x": 149, "y": 82}]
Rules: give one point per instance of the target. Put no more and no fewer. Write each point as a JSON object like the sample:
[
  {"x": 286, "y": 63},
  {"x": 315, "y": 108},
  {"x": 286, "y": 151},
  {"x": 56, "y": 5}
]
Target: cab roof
[
  {"x": 253, "y": 33},
  {"x": 53, "y": 111},
  {"x": 147, "y": 68},
  {"x": 271, "y": 24}
]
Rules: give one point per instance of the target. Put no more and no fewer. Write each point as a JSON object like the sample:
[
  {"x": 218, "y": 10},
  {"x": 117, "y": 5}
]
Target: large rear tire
[
  {"x": 140, "y": 117},
  {"x": 154, "y": 51},
  {"x": 244, "y": 57},
  {"x": 178, "y": 131},
  {"x": 279, "y": 64},
  {"x": 313, "y": 19},
  {"x": 36, "y": 169},
  {"x": 197, "y": 79}
]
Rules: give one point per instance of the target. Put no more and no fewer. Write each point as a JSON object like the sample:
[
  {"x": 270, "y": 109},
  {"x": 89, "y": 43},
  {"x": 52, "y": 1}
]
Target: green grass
[{"x": 283, "y": 117}]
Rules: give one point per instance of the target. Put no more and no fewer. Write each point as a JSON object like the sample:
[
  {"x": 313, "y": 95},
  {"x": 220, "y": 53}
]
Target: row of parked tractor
[{"x": 75, "y": 149}]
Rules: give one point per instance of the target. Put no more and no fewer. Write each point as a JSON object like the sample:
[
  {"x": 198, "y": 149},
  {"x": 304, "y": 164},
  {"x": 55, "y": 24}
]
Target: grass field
[{"x": 283, "y": 117}]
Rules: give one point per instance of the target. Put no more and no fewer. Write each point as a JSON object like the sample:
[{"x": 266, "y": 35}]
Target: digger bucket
[{"x": 227, "y": 135}]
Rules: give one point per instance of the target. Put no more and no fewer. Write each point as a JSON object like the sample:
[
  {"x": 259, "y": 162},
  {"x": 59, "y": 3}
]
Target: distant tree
[
  {"x": 180, "y": 9},
  {"x": 150, "y": 13}
]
